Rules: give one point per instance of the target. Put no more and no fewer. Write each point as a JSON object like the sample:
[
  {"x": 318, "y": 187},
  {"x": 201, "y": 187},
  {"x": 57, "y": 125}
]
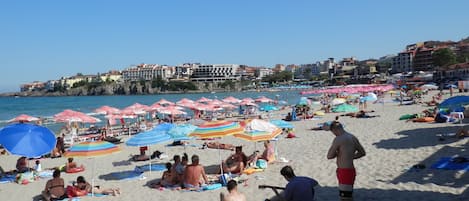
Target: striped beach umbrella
[
  {"x": 23, "y": 118},
  {"x": 92, "y": 149},
  {"x": 213, "y": 129},
  {"x": 181, "y": 132},
  {"x": 255, "y": 136}
]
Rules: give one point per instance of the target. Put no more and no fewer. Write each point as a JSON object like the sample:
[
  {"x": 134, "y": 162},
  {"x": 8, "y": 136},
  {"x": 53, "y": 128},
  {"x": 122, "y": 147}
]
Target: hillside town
[{"x": 427, "y": 61}]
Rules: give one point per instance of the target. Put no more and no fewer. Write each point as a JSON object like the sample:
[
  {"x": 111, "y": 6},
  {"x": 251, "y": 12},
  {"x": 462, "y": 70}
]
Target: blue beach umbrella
[
  {"x": 281, "y": 123},
  {"x": 181, "y": 132},
  {"x": 454, "y": 102},
  {"x": 148, "y": 138},
  {"x": 27, "y": 140},
  {"x": 268, "y": 108},
  {"x": 163, "y": 127}
]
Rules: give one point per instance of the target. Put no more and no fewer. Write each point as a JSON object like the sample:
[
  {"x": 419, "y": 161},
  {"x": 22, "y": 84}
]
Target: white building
[
  {"x": 264, "y": 72},
  {"x": 403, "y": 62},
  {"x": 184, "y": 71},
  {"x": 147, "y": 72},
  {"x": 215, "y": 73}
]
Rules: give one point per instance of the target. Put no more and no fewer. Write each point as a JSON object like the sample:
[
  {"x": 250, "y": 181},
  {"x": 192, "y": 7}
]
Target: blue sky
[{"x": 43, "y": 40}]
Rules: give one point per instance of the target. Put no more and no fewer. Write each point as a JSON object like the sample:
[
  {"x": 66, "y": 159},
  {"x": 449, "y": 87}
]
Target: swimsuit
[{"x": 346, "y": 176}]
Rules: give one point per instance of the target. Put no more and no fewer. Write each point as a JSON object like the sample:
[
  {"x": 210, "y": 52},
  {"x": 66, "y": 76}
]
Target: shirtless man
[
  {"x": 233, "y": 194},
  {"x": 345, "y": 148},
  {"x": 193, "y": 173}
]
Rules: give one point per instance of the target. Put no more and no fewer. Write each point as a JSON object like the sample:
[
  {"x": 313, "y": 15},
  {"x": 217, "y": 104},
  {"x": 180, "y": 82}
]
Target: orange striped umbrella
[
  {"x": 92, "y": 149},
  {"x": 215, "y": 129},
  {"x": 255, "y": 136}
]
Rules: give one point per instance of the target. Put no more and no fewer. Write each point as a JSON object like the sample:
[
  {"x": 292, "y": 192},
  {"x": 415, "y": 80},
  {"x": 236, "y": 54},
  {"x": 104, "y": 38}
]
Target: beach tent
[{"x": 345, "y": 108}]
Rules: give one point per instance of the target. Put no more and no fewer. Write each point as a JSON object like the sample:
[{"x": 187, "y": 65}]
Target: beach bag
[
  {"x": 224, "y": 178},
  {"x": 261, "y": 163}
]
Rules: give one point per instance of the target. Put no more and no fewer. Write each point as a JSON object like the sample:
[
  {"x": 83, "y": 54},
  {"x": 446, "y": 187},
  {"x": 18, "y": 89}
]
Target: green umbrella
[{"x": 345, "y": 108}]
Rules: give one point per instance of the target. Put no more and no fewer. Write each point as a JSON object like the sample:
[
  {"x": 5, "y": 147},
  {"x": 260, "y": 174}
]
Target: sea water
[{"x": 11, "y": 107}]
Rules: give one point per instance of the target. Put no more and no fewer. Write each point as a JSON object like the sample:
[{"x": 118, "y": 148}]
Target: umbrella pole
[
  {"x": 219, "y": 157},
  {"x": 149, "y": 164},
  {"x": 92, "y": 177}
]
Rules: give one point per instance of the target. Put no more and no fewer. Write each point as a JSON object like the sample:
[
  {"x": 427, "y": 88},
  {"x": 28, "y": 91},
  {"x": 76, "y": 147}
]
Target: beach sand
[{"x": 392, "y": 147}]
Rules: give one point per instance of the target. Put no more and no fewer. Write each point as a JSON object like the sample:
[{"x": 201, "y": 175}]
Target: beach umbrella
[
  {"x": 345, "y": 108},
  {"x": 247, "y": 100},
  {"x": 268, "y": 108},
  {"x": 74, "y": 116},
  {"x": 264, "y": 99},
  {"x": 281, "y": 123},
  {"x": 338, "y": 101},
  {"x": 92, "y": 149},
  {"x": 429, "y": 87},
  {"x": 27, "y": 140},
  {"x": 454, "y": 102},
  {"x": 107, "y": 110},
  {"x": 164, "y": 102},
  {"x": 23, "y": 118},
  {"x": 219, "y": 128},
  {"x": 304, "y": 101},
  {"x": 165, "y": 127},
  {"x": 213, "y": 129},
  {"x": 148, "y": 138},
  {"x": 184, "y": 102},
  {"x": 181, "y": 132},
  {"x": 259, "y": 130},
  {"x": 204, "y": 100},
  {"x": 231, "y": 99}
]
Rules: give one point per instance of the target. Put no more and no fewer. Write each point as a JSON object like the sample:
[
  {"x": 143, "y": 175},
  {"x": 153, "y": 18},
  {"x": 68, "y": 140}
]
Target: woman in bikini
[{"x": 54, "y": 189}]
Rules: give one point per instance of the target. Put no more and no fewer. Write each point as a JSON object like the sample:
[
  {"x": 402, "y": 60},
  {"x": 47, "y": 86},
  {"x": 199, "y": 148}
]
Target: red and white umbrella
[
  {"x": 74, "y": 116},
  {"x": 248, "y": 104},
  {"x": 264, "y": 99},
  {"x": 247, "y": 100},
  {"x": 138, "y": 106},
  {"x": 216, "y": 102},
  {"x": 164, "y": 102},
  {"x": 231, "y": 99},
  {"x": 107, "y": 110},
  {"x": 185, "y": 101},
  {"x": 23, "y": 118},
  {"x": 204, "y": 100}
]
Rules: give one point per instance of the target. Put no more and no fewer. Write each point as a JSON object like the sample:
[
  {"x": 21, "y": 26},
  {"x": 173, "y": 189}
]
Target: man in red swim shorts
[{"x": 345, "y": 148}]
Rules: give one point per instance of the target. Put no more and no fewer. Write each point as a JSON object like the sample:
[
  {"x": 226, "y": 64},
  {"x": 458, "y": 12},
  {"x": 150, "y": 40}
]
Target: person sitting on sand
[
  {"x": 233, "y": 193},
  {"x": 268, "y": 154},
  {"x": 71, "y": 166},
  {"x": 22, "y": 165},
  {"x": 193, "y": 173},
  {"x": 54, "y": 189},
  {"x": 217, "y": 145},
  {"x": 236, "y": 162},
  {"x": 82, "y": 188},
  {"x": 166, "y": 178},
  {"x": 177, "y": 170},
  {"x": 288, "y": 117},
  {"x": 142, "y": 156}
]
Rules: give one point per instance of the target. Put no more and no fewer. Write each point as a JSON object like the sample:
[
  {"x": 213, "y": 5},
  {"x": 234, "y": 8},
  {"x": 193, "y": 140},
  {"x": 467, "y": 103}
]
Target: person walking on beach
[{"x": 345, "y": 148}]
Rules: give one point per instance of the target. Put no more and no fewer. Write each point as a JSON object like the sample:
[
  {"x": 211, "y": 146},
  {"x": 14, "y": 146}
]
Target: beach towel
[
  {"x": 45, "y": 174},
  {"x": 7, "y": 179},
  {"x": 154, "y": 167},
  {"x": 126, "y": 175},
  {"x": 449, "y": 163}
]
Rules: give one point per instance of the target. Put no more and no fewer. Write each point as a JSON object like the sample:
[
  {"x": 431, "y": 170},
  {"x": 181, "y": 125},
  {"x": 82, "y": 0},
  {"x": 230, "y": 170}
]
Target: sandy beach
[{"x": 385, "y": 173}]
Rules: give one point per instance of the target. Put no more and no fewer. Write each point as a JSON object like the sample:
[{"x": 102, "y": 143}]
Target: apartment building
[{"x": 215, "y": 73}]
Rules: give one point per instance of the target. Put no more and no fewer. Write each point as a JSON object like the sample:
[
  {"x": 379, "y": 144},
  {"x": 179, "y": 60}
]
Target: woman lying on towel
[
  {"x": 217, "y": 145},
  {"x": 71, "y": 167},
  {"x": 82, "y": 188}
]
